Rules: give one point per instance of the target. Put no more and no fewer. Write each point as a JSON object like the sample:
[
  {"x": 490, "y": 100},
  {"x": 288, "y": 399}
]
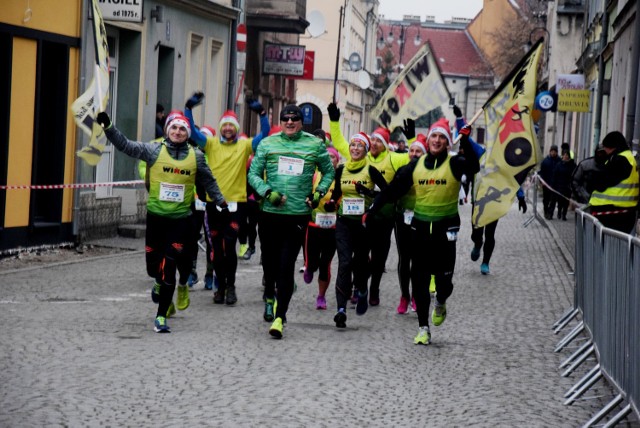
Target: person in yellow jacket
[
  {"x": 614, "y": 201},
  {"x": 387, "y": 162},
  {"x": 436, "y": 179},
  {"x": 174, "y": 168}
]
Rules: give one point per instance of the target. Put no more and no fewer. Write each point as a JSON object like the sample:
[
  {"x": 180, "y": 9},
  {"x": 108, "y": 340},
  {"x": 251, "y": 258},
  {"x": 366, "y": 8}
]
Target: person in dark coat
[
  {"x": 561, "y": 182},
  {"x": 546, "y": 174}
]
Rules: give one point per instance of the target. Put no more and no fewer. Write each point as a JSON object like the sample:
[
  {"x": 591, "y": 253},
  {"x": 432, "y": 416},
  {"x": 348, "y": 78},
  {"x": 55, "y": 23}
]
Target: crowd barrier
[{"x": 607, "y": 302}]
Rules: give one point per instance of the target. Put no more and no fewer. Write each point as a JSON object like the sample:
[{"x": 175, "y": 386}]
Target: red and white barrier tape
[
  {"x": 69, "y": 186},
  {"x": 545, "y": 184}
]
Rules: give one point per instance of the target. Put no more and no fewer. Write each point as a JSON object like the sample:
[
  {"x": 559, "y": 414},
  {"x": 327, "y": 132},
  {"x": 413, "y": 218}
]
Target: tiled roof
[{"x": 453, "y": 49}]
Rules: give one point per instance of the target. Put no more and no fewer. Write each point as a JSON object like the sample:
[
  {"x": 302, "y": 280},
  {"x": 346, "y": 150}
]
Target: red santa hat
[
  {"x": 178, "y": 120},
  {"x": 441, "y": 126},
  {"x": 421, "y": 143},
  {"x": 363, "y": 138},
  {"x": 274, "y": 130},
  {"x": 172, "y": 114},
  {"x": 231, "y": 117},
  {"x": 208, "y": 130},
  {"x": 383, "y": 135}
]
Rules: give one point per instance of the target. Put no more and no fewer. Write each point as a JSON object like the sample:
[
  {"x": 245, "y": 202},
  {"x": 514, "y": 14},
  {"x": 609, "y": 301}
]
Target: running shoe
[
  {"x": 243, "y": 250},
  {"x": 182, "y": 303},
  {"x": 231, "y": 295},
  {"x": 341, "y": 318},
  {"x": 423, "y": 337},
  {"x": 432, "y": 284},
  {"x": 403, "y": 307},
  {"x": 250, "y": 252},
  {"x": 276, "y": 328},
  {"x": 160, "y": 325},
  {"x": 193, "y": 279},
  {"x": 301, "y": 269},
  {"x": 218, "y": 297},
  {"x": 308, "y": 276},
  {"x": 413, "y": 305},
  {"x": 321, "y": 303},
  {"x": 171, "y": 311},
  {"x": 208, "y": 282},
  {"x": 475, "y": 254},
  {"x": 155, "y": 293},
  {"x": 439, "y": 314},
  {"x": 362, "y": 305},
  {"x": 484, "y": 268},
  {"x": 269, "y": 311},
  {"x": 354, "y": 296}
]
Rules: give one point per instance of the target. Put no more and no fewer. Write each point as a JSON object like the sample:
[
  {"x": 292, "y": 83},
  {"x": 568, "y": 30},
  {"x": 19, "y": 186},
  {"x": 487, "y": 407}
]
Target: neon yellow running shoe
[
  {"x": 276, "y": 328},
  {"x": 423, "y": 337},
  {"x": 171, "y": 311},
  {"x": 439, "y": 314},
  {"x": 182, "y": 302},
  {"x": 243, "y": 250},
  {"x": 432, "y": 284}
]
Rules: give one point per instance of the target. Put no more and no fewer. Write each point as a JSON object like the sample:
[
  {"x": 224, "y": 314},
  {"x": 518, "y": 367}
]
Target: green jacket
[{"x": 286, "y": 165}]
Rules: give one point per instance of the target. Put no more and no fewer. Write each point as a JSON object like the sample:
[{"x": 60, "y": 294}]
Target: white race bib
[
  {"x": 408, "y": 217},
  {"x": 352, "y": 206},
  {"x": 233, "y": 207},
  {"x": 290, "y": 166},
  {"x": 326, "y": 221},
  {"x": 171, "y": 192}
]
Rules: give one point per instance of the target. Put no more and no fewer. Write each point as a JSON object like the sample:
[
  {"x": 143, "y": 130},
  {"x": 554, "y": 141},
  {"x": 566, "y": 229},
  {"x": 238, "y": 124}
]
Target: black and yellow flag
[{"x": 512, "y": 150}]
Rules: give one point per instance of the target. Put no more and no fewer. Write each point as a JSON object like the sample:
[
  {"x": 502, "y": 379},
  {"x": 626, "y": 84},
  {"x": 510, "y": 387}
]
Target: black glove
[
  {"x": 522, "y": 205},
  {"x": 364, "y": 191},
  {"x": 195, "y": 99},
  {"x": 334, "y": 112},
  {"x": 103, "y": 120},
  {"x": 274, "y": 198},
  {"x": 457, "y": 111},
  {"x": 314, "y": 199},
  {"x": 254, "y": 105},
  {"x": 409, "y": 129},
  {"x": 330, "y": 206}
]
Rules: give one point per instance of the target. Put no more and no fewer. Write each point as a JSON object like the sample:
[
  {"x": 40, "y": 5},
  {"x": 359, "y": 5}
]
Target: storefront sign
[
  {"x": 121, "y": 10},
  {"x": 574, "y": 100},
  {"x": 283, "y": 59}
]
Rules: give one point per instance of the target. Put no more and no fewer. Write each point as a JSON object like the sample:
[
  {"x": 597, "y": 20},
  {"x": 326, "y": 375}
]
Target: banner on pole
[
  {"x": 511, "y": 148},
  {"x": 418, "y": 89},
  {"x": 95, "y": 99}
]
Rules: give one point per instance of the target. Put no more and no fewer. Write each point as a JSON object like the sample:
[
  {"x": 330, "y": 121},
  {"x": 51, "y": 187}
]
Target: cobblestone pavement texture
[{"x": 79, "y": 348}]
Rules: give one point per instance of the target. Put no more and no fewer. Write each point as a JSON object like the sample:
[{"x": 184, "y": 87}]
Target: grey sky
[{"x": 443, "y": 10}]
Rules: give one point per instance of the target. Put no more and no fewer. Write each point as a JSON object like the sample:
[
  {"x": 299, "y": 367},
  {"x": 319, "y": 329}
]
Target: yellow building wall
[
  {"x": 70, "y": 153},
  {"x": 23, "y": 84},
  {"x": 488, "y": 21},
  {"x": 59, "y": 16}
]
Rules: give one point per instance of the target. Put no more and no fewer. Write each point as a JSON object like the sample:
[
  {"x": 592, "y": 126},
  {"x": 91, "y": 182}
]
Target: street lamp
[{"x": 404, "y": 30}]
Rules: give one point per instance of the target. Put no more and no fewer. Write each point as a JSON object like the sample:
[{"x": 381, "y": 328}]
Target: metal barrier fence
[{"x": 607, "y": 295}]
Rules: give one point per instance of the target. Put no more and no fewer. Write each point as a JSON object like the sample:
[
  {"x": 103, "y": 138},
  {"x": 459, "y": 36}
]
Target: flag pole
[{"x": 471, "y": 122}]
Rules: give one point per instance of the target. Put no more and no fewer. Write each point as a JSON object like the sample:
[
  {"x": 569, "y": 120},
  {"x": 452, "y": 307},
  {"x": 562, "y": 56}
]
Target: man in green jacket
[{"x": 282, "y": 173}]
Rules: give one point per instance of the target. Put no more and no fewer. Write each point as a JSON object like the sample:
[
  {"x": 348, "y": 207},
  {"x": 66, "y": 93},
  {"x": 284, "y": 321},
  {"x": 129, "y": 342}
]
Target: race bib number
[
  {"x": 326, "y": 221},
  {"x": 408, "y": 217},
  {"x": 290, "y": 166},
  {"x": 200, "y": 205},
  {"x": 353, "y": 206},
  {"x": 233, "y": 207},
  {"x": 171, "y": 192}
]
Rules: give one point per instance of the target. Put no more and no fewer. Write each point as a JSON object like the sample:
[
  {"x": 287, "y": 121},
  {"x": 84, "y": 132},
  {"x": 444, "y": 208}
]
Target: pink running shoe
[
  {"x": 321, "y": 303},
  {"x": 403, "y": 307},
  {"x": 413, "y": 304}
]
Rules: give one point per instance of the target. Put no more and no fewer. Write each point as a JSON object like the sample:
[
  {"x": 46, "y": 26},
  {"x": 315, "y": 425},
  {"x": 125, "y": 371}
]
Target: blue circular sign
[{"x": 545, "y": 101}]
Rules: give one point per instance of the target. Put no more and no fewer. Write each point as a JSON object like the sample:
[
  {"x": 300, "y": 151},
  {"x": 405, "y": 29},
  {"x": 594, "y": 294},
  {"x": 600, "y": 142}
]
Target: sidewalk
[{"x": 80, "y": 348}]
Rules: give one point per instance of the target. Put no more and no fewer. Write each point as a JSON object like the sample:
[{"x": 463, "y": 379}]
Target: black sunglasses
[{"x": 294, "y": 118}]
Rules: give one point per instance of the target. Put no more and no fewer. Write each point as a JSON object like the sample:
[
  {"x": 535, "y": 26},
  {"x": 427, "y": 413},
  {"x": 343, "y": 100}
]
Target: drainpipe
[
  {"x": 75, "y": 226},
  {"x": 632, "y": 132},
  {"x": 233, "y": 59},
  {"x": 597, "y": 125}
]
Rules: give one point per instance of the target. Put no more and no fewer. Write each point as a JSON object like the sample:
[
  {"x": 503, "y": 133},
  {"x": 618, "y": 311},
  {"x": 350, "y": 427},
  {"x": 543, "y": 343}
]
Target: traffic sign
[{"x": 242, "y": 38}]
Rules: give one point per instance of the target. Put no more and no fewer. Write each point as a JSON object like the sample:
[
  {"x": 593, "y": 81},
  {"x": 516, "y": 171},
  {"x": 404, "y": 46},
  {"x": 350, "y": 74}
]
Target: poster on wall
[
  {"x": 122, "y": 10},
  {"x": 287, "y": 60}
]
